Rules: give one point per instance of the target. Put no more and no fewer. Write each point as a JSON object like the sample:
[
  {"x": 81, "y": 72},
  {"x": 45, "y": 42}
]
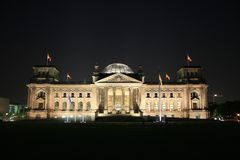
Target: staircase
[{"x": 118, "y": 118}]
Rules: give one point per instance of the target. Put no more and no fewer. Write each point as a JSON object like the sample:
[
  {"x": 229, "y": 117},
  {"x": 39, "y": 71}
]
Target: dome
[{"x": 117, "y": 68}]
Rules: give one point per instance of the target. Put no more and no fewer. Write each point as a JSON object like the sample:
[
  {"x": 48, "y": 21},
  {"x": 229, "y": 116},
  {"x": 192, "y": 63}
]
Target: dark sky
[{"x": 79, "y": 34}]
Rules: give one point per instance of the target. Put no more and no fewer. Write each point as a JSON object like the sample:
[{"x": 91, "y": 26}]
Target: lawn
[{"x": 119, "y": 140}]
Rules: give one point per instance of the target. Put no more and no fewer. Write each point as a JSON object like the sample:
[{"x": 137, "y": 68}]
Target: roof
[
  {"x": 117, "y": 68},
  {"x": 46, "y": 66},
  {"x": 190, "y": 67}
]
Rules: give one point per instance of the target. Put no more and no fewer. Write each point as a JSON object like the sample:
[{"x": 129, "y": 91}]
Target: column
[
  {"x": 34, "y": 105},
  {"x": 123, "y": 98},
  {"x": 97, "y": 98},
  {"x": 114, "y": 97},
  {"x": 131, "y": 99},
  {"x": 105, "y": 98}
]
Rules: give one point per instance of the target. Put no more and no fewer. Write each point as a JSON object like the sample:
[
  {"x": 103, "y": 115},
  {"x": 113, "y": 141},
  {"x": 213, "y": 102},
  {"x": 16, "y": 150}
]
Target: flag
[
  {"x": 69, "y": 99},
  {"x": 189, "y": 59},
  {"x": 167, "y": 77},
  {"x": 160, "y": 80},
  {"x": 68, "y": 76},
  {"x": 49, "y": 58}
]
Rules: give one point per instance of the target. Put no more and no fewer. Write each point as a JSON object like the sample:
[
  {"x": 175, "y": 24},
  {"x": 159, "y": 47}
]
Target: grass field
[{"x": 119, "y": 140}]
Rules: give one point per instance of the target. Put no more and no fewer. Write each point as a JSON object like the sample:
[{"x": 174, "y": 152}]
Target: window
[
  {"x": 164, "y": 106},
  {"x": 56, "y": 106},
  {"x": 171, "y": 107},
  {"x": 80, "y": 106},
  {"x": 148, "y": 106},
  {"x": 41, "y": 95},
  {"x": 72, "y": 95},
  {"x": 56, "y": 95},
  {"x": 64, "y": 106},
  {"x": 80, "y": 95},
  {"x": 195, "y": 106},
  {"x": 88, "y": 106},
  {"x": 179, "y": 106},
  {"x": 72, "y": 106},
  {"x": 40, "y": 106},
  {"x": 179, "y": 95},
  {"x": 148, "y": 95},
  {"x": 163, "y": 95},
  {"x": 64, "y": 95},
  {"x": 155, "y": 95},
  {"x": 171, "y": 95},
  {"x": 88, "y": 95},
  {"x": 194, "y": 95}
]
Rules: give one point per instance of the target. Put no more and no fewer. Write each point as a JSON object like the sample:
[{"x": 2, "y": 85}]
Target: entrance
[{"x": 118, "y": 109}]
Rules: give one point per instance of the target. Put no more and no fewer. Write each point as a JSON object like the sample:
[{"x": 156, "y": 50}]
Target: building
[
  {"x": 17, "y": 111},
  {"x": 4, "y": 106},
  {"x": 117, "y": 89}
]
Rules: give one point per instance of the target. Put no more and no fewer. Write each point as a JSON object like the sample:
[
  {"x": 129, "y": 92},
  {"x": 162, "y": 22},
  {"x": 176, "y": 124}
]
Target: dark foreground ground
[{"x": 184, "y": 140}]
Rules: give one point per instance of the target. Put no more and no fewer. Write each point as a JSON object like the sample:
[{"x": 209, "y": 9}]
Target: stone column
[
  {"x": 34, "y": 98},
  {"x": 51, "y": 100},
  {"x": 188, "y": 99},
  {"x": 123, "y": 98},
  {"x": 131, "y": 100},
  {"x": 200, "y": 98},
  {"x": 114, "y": 97},
  {"x": 106, "y": 99},
  {"x": 30, "y": 104},
  {"x": 97, "y": 98},
  {"x": 50, "y": 103},
  {"x": 28, "y": 100}
]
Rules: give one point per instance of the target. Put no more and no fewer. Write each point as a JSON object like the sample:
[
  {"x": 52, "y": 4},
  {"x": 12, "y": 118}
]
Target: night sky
[{"x": 79, "y": 34}]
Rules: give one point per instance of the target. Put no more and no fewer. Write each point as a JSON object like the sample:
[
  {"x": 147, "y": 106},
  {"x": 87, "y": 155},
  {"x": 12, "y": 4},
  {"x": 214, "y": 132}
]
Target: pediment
[
  {"x": 40, "y": 99},
  {"x": 118, "y": 78}
]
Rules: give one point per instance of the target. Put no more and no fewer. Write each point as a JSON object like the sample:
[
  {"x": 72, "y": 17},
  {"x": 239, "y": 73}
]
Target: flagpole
[
  {"x": 75, "y": 114},
  {"x": 47, "y": 61},
  {"x": 159, "y": 92},
  {"x": 159, "y": 104}
]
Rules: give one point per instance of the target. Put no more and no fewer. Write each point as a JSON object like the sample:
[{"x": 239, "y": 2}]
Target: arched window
[
  {"x": 41, "y": 95},
  {"x": 194, "y": 95},
  {"x": 72, "y": 106},
  {"x": 148, "y": 95},
  {"x": 164, "y": 106},
  {"x": 56, "y": 106},
  {"x": 64, "y": 106},
  {"x": 80, "y": 106},
  {"x": 88, "y": 106},
  {"x": 80, "y": 95},
  {"x": 155, "y": 106},
  {"x": 163, "y": 95},
  {"x": 88, "y": 95},
  {"x": 179, "y": 106}
]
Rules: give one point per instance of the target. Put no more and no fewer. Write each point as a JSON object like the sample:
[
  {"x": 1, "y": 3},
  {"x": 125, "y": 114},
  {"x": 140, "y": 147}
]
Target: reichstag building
[{"x": 117, "y": 89}]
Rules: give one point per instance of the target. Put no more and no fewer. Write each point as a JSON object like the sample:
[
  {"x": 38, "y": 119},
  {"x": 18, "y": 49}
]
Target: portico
[{"x": 119, "y": 99}]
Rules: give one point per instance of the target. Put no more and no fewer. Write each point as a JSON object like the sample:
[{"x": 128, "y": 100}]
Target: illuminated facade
[{"x": 117, "y": 89}]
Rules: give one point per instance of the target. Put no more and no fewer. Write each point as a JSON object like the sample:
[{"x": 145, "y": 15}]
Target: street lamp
[{"x": 213, "y": 98}]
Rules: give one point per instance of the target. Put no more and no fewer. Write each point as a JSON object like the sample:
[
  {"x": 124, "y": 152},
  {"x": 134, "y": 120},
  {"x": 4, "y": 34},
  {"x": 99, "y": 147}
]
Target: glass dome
[{"x": 117, "y": 68}]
